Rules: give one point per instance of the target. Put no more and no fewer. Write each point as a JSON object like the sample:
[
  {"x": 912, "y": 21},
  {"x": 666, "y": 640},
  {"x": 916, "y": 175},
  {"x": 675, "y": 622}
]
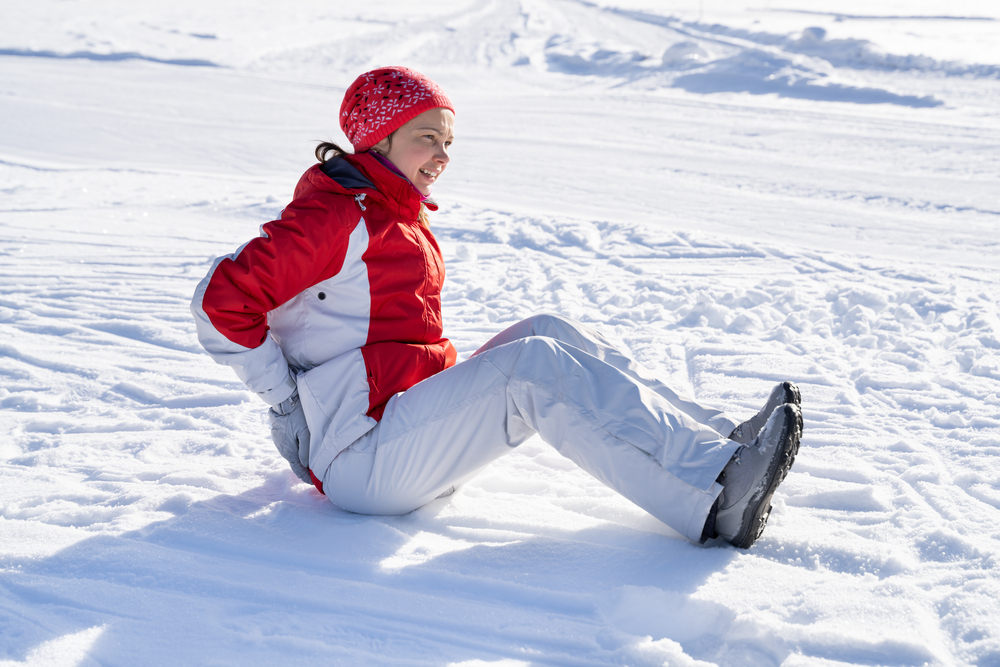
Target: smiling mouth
[{"x": 429, "y": 174}]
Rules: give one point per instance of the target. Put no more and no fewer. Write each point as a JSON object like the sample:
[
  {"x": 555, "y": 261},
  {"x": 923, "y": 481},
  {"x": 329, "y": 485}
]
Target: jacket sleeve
[{"x": 306, "y": 245}]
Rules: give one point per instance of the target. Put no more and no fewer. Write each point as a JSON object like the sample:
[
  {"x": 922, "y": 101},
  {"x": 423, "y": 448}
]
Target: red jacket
[{"x": 341, "y": 297}]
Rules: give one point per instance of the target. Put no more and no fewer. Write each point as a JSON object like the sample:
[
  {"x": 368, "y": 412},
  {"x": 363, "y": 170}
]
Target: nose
[{"x": 441, "y": 156}]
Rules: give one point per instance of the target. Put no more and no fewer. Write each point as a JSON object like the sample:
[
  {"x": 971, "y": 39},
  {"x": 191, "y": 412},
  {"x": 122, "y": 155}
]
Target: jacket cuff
[{"x": 276, "y": 395}]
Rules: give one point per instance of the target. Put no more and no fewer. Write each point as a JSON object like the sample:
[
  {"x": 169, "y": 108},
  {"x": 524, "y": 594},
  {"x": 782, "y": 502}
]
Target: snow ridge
[{"x": 737, "y": 206}]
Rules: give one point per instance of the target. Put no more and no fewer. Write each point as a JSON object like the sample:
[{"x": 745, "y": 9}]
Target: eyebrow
[{"x": 433, "y": 129}]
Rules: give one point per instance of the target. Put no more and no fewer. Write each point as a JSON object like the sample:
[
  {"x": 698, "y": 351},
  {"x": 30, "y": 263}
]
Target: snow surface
[{"x": 739, "y": 193}]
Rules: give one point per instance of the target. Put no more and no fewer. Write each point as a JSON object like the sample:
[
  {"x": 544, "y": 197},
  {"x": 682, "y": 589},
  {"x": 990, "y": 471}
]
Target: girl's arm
[{"x": 306, "y": 245}]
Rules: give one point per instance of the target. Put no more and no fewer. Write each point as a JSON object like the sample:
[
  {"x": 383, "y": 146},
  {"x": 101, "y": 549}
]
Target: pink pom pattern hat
[{"x": 381, "y": 101}]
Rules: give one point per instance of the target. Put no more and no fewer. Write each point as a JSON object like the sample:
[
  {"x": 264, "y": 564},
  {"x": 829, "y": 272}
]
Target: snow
[{"x": 740, "y": 194}]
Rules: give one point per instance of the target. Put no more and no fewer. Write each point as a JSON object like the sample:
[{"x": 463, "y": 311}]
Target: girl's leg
[
  {"x": 453, "y": 424},
  {"x": 593, "y": 343}
]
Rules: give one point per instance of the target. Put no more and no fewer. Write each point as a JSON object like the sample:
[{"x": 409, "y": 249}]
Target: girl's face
[{"x": 419, "y": 148}]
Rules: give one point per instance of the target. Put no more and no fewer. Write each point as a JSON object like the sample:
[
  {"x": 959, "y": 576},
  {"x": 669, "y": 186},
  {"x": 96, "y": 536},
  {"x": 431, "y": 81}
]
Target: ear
[{"x": 382, "y": 147}]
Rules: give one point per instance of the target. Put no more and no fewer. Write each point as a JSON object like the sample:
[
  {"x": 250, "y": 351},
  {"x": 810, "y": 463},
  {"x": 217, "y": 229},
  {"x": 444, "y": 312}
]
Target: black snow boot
[{"x": 752, "y": 475}]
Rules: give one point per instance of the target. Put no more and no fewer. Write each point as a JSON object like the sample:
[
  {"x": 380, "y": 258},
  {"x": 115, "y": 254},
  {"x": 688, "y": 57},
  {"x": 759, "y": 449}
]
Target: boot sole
[
  {"x": 758, "y": 510},
  {"x": 792, "y": 394}
]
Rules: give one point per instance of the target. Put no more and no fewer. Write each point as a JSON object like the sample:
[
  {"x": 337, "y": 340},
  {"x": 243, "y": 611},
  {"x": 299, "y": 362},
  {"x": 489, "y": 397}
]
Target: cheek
[
  {"x": 412, "y": 157},
  {"x": 415, "y": 159}
]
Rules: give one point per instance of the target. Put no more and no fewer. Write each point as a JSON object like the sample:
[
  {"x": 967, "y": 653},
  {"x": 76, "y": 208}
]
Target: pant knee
[
  {"x": 541, "y": 359},
  {"x": 544, "y": 324}
]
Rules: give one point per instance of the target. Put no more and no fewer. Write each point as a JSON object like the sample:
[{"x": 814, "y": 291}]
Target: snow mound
[{"x": 730, "y": 240}]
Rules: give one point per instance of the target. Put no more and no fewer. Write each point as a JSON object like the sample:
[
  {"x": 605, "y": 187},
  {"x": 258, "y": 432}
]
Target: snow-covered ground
[{"x": 738, "y": 193}]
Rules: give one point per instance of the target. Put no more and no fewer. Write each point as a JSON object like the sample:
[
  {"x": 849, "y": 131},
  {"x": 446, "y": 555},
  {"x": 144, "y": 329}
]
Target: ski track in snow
[{"x": 806, "y": 208}]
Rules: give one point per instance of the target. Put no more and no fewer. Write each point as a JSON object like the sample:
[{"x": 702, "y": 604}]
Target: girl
[{"x": 333, "y": 317}]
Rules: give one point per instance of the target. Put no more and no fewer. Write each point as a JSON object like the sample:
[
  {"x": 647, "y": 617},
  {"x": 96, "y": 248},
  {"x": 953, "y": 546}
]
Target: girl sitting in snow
[{"x": 333, "y": 317}]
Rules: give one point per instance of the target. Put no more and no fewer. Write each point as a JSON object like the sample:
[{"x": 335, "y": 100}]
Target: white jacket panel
[{"x": 312, "y": 330}]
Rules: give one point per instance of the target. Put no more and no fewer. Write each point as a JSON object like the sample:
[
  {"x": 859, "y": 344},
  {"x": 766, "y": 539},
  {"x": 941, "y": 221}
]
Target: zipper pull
[{"x": 360, "y": 198}]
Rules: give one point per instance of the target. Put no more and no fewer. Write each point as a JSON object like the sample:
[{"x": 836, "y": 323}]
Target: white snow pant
[{"x": 555, "y": 377}]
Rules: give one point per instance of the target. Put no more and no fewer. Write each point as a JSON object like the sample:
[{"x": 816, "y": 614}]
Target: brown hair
[{"x": 327, "y": 150}]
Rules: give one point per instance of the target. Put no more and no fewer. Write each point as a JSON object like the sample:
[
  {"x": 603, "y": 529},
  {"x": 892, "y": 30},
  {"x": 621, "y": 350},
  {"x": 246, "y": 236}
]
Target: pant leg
[
  {"x": 456, "y": 422},
  {"x": 592, "y": 342}
]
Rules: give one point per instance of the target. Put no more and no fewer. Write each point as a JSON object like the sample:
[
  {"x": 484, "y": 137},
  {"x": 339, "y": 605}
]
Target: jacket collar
[{"x": 400, "y": 195}]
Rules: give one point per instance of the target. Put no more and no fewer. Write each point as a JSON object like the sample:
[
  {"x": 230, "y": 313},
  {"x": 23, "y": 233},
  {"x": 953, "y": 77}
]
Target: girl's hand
[{"x": 290, "y": 434}]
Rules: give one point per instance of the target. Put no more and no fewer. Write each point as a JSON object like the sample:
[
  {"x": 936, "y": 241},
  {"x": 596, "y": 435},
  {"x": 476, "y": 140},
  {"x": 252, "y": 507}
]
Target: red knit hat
[{"x": 379, "y": 102}]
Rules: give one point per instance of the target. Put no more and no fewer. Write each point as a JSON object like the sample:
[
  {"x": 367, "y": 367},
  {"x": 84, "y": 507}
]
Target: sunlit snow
[{"x": 738, "y": 193}]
